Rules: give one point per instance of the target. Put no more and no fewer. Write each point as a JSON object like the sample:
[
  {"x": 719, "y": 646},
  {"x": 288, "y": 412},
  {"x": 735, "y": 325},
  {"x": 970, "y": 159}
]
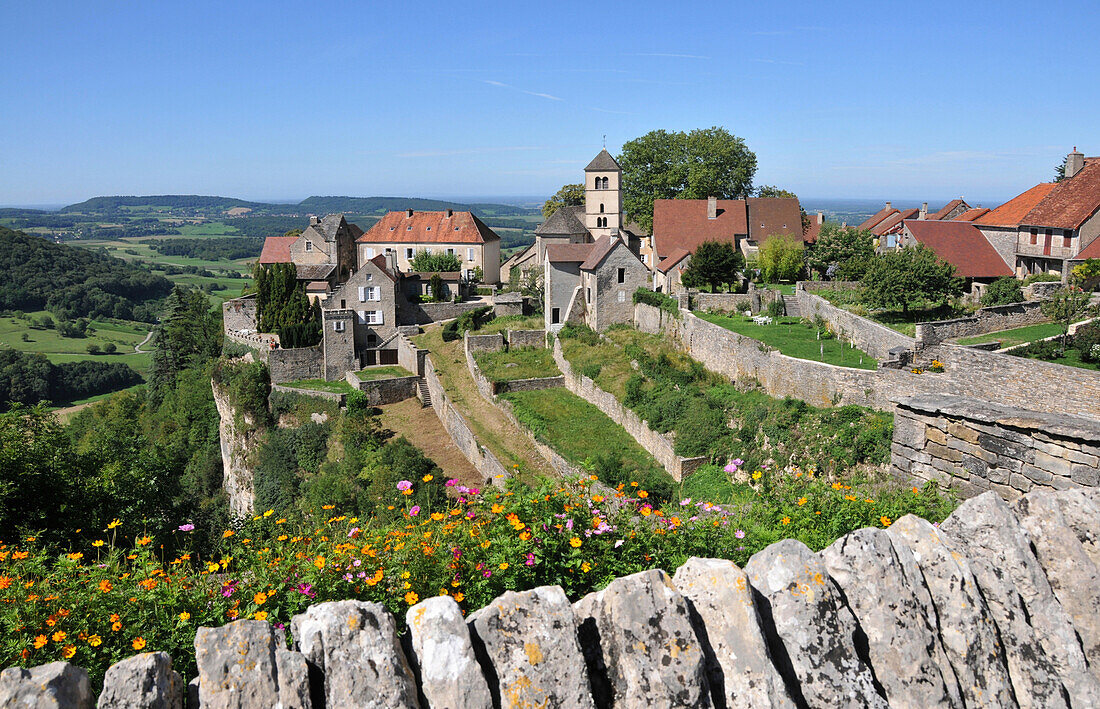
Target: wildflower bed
[{"x": 110, "y": 597}]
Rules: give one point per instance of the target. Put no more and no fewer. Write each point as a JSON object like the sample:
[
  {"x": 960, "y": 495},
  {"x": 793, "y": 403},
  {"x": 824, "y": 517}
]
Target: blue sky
[{"x": 280, "y": 101}]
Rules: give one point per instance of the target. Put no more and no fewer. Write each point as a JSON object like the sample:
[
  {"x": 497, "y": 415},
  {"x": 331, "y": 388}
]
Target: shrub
[
  {"x": 93, "y": 348},
  {"x": 110, "y": 348},
  {"x": 1087, "y": 342},
  {"x": 657, "y": 300},
  {"x": 1041, "y": 278},
  {"x": 1003, "y": 291}
]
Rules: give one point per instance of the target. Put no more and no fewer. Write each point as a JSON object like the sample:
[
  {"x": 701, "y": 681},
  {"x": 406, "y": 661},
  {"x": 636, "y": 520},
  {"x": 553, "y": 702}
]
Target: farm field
[
  {"x": 123, "y": 335},
  {"x": 795, "y": 338}
]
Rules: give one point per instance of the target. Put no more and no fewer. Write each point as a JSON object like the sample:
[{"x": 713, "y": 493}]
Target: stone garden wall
[
  {"x": 424, "y": 313},
  {"x": 527, "y": 338},
  {"x": 660, "y": 446},
  {"x": 484, "y": 343},
  {"x": 873, "y": 338},
  {"x": 239, "y": 314},
  {"x": 385, "y": 391},
  {"x": 974, "y": 446},
  {"x": 294, "y": 364},
  {"x": 409, "y": 355},
  {"x": 992, "y": 319},
  {"x": 994, "y": 607},
  {"x": 340, "y": 399}
]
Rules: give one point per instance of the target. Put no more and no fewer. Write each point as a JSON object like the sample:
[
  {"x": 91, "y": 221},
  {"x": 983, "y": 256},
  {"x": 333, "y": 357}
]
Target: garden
[
  {"x": 517, "y": 363},
  {"x": 795, "y": 337}
]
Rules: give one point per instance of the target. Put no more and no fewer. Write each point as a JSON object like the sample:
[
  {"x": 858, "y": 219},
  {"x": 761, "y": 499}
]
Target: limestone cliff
[{"x": 241, "y": 426}]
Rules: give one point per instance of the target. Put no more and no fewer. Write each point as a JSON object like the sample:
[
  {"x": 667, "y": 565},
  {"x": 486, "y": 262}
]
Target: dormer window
[
  {"x": 309, "y": 246},
  {"x": 456, "y": 228},
  {"x": 391, "y": 228},
  {"x": 409, "y": 228}
]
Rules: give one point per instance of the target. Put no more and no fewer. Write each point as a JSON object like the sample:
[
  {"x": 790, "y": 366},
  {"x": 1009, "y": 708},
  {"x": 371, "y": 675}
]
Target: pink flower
[
  {"x": 530, "y": 561},
  {"x": 404, "y": 485},
  {"x": 306, "y": 589},
  {"x": 187, "y": 527},
  {"x": 451, "y": 483},
  {"x": 354, "y": 533},
  {"x": 471, "y": 514},
  {"x": 348, "y": 577},
  {"x": 740, "y": 534},
  {"x": 619, "y": 543},
  {"x": 685, "y": 502},
  {"x": 414, "y": 511}
]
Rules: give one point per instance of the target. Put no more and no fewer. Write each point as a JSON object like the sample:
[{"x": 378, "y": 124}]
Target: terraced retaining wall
[
  {"x": 992, "y": 319},
  {"x": 295, "y": 364},
  {"x": 385, "y": 391},
  {"x": 660, "y": 446},
  {"x": 997, "y": 607},
  {"x": 873, "y": 338}
]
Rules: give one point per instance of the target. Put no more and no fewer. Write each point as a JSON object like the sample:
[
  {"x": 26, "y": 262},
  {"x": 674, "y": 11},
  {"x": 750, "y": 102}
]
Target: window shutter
[
  {"x": 363, "y": 294},
  {"x": 362, "y": 317}
]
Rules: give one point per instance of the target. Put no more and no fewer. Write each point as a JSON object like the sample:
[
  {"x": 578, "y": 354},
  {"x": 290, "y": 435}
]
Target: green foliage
[
  {"x": 281, "y": 304},
  {"x": 781, "y": 258},
  {"x": 435, "y": 284},
  {"x": 841, "y": 252},
  {"x": 771, "y": 191},
  {"x": 703, "y": 163},
  {"x": 1003, "y": 291},
  {"x": 72, "y": 282},
  {"x": 188, "y": 335},
  {"x": 427, "y": 262},
  {"x": 567, "y": 196},
  {"x": 1087, "y": 341},
  {"x": 247, "y": 385},
  {"x": 658, "y": 300},
  {"x": 211, "y": 249},
  {"x": 27, "y": 378},
  {"x": 1041, "y": 278},
  {"x": 715, "y": 264},
  {"x": 1065, "y": 305},
  {"x": 579, "y": 332},
  {"x": 909, "y": 276},
  {"x": 1087, "y": 273},
  {"x": 517, "y": 363},
  {"x": 469, "y": 320}
]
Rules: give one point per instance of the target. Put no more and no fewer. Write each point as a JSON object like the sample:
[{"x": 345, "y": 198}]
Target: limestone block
[
  {"x": 935, "y": 435},
  {"x": 966, "y": 628},
  {"x": 884, "y": 590},
  {"x": 355, "y": 645},
  {"x": 1036, "y": 474},
  {"x": 649, "y": 648},
  {"x": 1055, "y": 464},
  {"x": 144, "y": 681},
  {"x": 529, "y": 640},
  {"x": 1081, "y": 511},
  {"x": 726, "y": 619},
  {"x": 449, "y": 673},
  {"x": 1086, "y": 475},
  {"x": 58, "y": 685},
  {"x": 962, "y": 431},
  {"x": 239, "y": 668},
  {"x": 812, "y": 626},
  {"x": 1073, "y": 576},
  {"x": 1040, "y": 645}
]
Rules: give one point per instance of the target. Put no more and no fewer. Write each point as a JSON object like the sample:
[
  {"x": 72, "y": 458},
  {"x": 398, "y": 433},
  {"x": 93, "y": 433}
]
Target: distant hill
[
  {"x": 381, "y": 205},
  {"x": 170, "y": 201},
  {"x": 375, "y": 206}
]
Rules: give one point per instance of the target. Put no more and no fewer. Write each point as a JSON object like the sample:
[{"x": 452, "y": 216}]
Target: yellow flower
[
  {"x": 497, "y": 509},
  {"x": 58, "y": 636},
  {"x": 757, "y": 475},
  {"x": 98, "y": 543},
  {"x": 886, "y": 521},
  {"x": 801, "y": 501},
  {"x": 95, "y": 640},
  {"x": 116, "y": 626},
  {"x": 185, "y": 616},
  {"x": 643, "y": 494},
  {"x": 503, "y": 566},
  {"x": 260, "y": 615},
  {"x": 319, "y": 562},
  {"x": 586, "y": 567},
  {"x": 260, "y": 598},
  {"x": 282, "y": 537},
  {"x": 850, "y": 498},
  {"x": 646, "y": 511},
  {"x": 114, "y": 524},
  {"x": 328, "y": 507},
  {"x": 68, "y": 651},
  {"x": 411, "y": 598},
  {"x": 438, "y": 516},
  {"x": 407, "y": 492},
  {"x": 916, "y": 491},
  {"x": 144, "y": 540},
  {"x": 228, "y": 533},
  {"x": 212, "y": 566},
  {"x": 786, "y": 520},
  {"x": 575, "y": 542},
  {"x": 428, "y": 478},
  {"x": 597, "y": 498},
  {"x": 39, "y": 641},
  {"x": 138, "y": 643},
  {"x": 281, "y": 520},
  {"x": 633, "y": 484}
]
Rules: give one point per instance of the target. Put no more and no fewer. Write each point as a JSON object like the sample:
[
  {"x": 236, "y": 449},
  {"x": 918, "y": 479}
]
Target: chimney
[
  {"x": 712, "y": 207},
  {"x": 923, "y": 211},
  {"x": 1074, "y": 162},
  {"x": 391, "y": 261},
  {"x": 450, "y": 213},
  {"x": 314, "y": 220},
  {"x": 408, "y": 213},
  {"x": 889, "y": 205},
  {"x": 820, "y": 217}
]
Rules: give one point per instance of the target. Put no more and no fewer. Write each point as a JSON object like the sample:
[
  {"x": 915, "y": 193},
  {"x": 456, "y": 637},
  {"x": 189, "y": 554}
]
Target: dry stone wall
[
  {"x": 976, "y": 446},
  {"x": 873, "y": 338},
  {"x": 425, "y": 313},
  {"x": 997, "y": 607},
  {"x": 380, "y": 392},
  {"x": 527, "y": 338},
  {"x": 296, "y": 364},
  {"x": 992, "y": 319}
]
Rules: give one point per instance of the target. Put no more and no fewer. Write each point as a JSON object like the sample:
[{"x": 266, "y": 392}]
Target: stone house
[
  {"x": 359, "y": 318},
  {"x": 886, "y": 224},
  {"x": 323, "y": 254},
  {"x": 669, "y": 271},
  {"x": 447, "y": 232},
  {"x": 592, "y": 283}
]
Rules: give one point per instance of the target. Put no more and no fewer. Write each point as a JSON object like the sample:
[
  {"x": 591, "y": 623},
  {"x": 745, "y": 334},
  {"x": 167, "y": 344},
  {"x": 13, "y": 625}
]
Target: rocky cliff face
[{"x": 239, "y": 437}]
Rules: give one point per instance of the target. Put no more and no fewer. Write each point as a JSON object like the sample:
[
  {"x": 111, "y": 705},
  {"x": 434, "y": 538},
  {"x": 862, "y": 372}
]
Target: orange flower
[
  {"x": 5, "y": 582},
  {"x": 411, "y": 598},
  {"x": 75, "y": 556},
  {"x": 114, "y": 524},
  {"x": 116, "y": 626},
  {"x": 115, "y": 618},
  {"x": 458, "y": 596},
  {"x": 260, "y": 615},
  {"x": 886, "y": 521},
  {"x": 144, "y": 540},
  {"x": 58, "y": 636},
  {"x": 138, "y": 643},
  {"x": 148, "y": 584},
  {"x": 95, "y": 640},
  {"x": 328, "y": 507},
  {"x": 503, "y": 566},
  {"x": 185, "y": 616},
  {"x": 39, "y": 641},
  {"x": 319, "y": 562},
  {"x": 643, "y": 494},
  {"x": 68, "y": 651},
  {"x": 801, "y": 501},
  {"x": 646, "y": 511},
  {"x": 427, "y": 478},
  {"x": 786, "y": 520},
  {"x": 260, "y": 598},
  {"x": 575, "y": 542},
  {"x": 105, "y": 586},
  {"x": 228, "y": 533}
]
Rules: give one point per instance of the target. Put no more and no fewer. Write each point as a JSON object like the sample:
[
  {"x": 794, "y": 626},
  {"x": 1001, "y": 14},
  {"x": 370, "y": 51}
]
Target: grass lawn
[
  {"x": 607, "y": 361},
  {"x": 906, "y": 323},
  {"x": 338, "y": 387},
  {"x": 122, "y": 334},
  {"x": 141, "y": 362},
  {"x": 795, "y": 338},
  {"x": 1016, "y": 336},
  {"x": 784, "y": 288},
  {"x": 1072, "y": 358},
  {"x": 518, "y": 363},
  {"x": 388, "y": 371},
  {"x": 579, "y": 431},
  {"x": 512, "y": 322}
]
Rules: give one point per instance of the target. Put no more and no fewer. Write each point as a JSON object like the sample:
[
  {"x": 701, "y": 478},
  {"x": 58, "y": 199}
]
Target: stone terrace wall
[
  {"x": 385, "y": 391},
  {"x": 424, "y": 313},
  {"x": 974, "y": 446},
  {"x": 994, "y": 607},
  {"x": 484, "y": 343},
  {"x": 527, "y": 338},
  {"x": 992, "y": 319},
  {"x": 239, "y": 314},
  {"x": 455, "y": 424},
  {"x": 816, "y": 286},
  {"x": 340, "y": 399},
  {"x": 410, "y": 356},
  {"x": 727, "y": 302},
  {"x": 659, "y": 446},
  {"x": 294, "y": 364},
  {"x": 873, "y": 338}
]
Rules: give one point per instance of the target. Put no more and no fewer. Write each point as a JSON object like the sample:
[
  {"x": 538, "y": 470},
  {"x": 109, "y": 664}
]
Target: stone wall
[
  {"x": 385, "y": 391},
  {"x": 484, "y": 343},
  {"x": 455, "y": 424},
  {"x": 533, "y": 384},
  {"x": 873, "y": 338},
  {"x": 294, "y": 364},
  {"x": 508, "y": 304},
  {"x": 992, "y": 319},
  {"x": 728, "y": 302},
  {"x": 1041, "y": 290},
  {"x": 661, "y": 447},
  {"x": 239, "y": 314},
  {"x": 340, "y": 399},
  {"x": 409, "y": 355},
  {"x": 974, "y": 446},
  {"x": 527, "y": 338},
  {"x": 424, "y": 313},
  {"x": 817, "y": 286},
  {"x": 994, "y": 607}
]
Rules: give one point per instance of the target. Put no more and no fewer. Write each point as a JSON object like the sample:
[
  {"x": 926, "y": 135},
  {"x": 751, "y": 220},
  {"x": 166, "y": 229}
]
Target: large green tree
[
  {"x": 707, "y": 162},
  {"x": 841, "y": 252},
  {"x": 909, "y": 276},
  {"x": 781, "y": 258},
  {"x": 714, "y": 263},
  {"x": 188, "y": 334},
  {"x": 567, "y": 196},
  {"x": 427, "y": 262}
]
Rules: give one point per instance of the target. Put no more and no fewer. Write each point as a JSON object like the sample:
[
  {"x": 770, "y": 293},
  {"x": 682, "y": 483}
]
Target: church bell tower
[{"x": 603, "y": 197}]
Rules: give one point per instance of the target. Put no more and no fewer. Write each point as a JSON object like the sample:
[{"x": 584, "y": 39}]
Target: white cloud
[{"x": 503, "y": 85}]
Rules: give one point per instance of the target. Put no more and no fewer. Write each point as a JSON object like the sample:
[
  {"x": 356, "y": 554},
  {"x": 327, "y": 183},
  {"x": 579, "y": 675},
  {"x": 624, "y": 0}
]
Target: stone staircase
[
  {"x": 425, "y": 393},
  {"x": 790, "y": 306}
]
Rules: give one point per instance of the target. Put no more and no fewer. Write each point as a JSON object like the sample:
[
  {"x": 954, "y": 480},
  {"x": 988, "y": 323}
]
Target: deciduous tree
[
  {"x": 714, "y": 263},
  {"x": 841, "y": 252},
  {"x": 1065, "y": 305},
  {"x": 781, "y": 258},
  {"x": 567, "y": 196},
  {"x": 909, "y": 276}
]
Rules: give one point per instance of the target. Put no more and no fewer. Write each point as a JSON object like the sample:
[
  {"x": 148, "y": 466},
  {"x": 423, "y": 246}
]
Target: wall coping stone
[{"x": 1007, "y": 416}]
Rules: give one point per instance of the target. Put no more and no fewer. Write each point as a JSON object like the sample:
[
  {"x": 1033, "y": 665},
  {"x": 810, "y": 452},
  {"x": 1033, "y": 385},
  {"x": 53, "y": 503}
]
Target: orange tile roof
[
  {"x": 672, "y": 259},
  {"x": 810, "y": 234},
  {"x": 971, "y": 214},
  {"x": 876, "y": 218},
  {"x": 773, "y": 216},
  {"x": 429, "y": 228},
  {"x": 887, "y": 225},
  {"x": 961, "y": 245},
  {"x": 1090, "y": 251},
  {"x": 380, "y": 261},
  {"x": 567, "y": 253},
  {"x": 1012, "y": 212},
  {"x": 683, "y": 223},
  {"x": 1071, "y": 202},
  {"x": 277, "y": 249}
]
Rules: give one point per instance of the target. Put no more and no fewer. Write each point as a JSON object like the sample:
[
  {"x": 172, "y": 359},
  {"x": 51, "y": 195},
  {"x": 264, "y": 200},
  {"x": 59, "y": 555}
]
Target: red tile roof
[
  {"x": 810, "y": 234},
  {"x": 1012, "y": 212},
  {"x": 771, "y": 216},
  {"x": 1090, "y": 251},
  {"x": 277, "y": 249},
  {"x": 676, "y": 257},
  {"x": 1071, "y": 202},
  {"x": 887, "y": 225},
  {"x": 971, "y": 214},
  {"x": 960, "y": 244},
  {"x": 877, "y": 217},
  {"x": 683, "y": 224},
  {"x": 600, "y": 249},
  {"x": 429, "y": 228},
  {"x": 947, "y": 209},
  {"x": 568, "y": 253},
  {"x": 380, "y": 261}
]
